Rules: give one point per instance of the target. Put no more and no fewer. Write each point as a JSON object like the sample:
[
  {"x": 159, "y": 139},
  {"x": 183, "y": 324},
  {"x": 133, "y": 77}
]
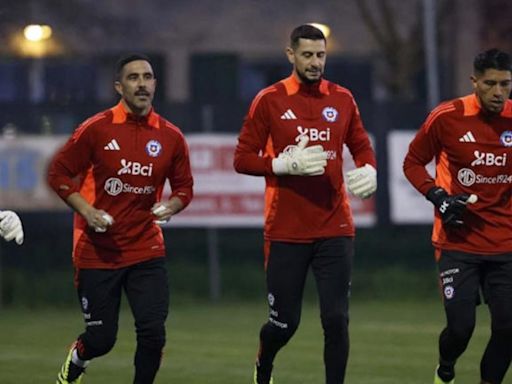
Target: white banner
[
  {"x": 23, "y": 165},
  {"x": 408, "y": 206},
  {"x": 222, "y": 197}
]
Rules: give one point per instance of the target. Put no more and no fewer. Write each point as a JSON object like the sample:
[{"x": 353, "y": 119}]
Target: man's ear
[
  {"x": 473, "y": 80},
  {"x": 119, "y": 88},
  {"x": 290, "y": 55}
]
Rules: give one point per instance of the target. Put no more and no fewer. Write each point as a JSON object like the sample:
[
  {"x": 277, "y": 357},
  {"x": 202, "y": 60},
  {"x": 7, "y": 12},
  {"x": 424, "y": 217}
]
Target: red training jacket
[
  {"x": 119, "y": 163},
  {"x": 473, "y": 154},
  {"x": 303, "y": 208}
]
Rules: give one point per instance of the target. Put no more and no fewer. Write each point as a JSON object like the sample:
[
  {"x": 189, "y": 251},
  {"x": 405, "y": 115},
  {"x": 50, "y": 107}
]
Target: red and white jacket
[
  {"x": 119, "y": 163},
  {"x": 473, "y": 155},
  {"x": 299, "y": 208}
]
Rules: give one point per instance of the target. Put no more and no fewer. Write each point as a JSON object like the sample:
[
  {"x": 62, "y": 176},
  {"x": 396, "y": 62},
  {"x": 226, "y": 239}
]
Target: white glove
[
  {"x": 301, "y": 161},
  {"x": 10, "y": 227},
  {"x": 158, "y": 211},
  {"x": 362, "y": 181},
  {"x": 109, "y": 219}
]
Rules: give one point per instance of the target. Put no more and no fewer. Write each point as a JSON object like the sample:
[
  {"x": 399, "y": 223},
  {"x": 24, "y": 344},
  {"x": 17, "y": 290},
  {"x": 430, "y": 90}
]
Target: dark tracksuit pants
[{"x": 287, "y": 267}]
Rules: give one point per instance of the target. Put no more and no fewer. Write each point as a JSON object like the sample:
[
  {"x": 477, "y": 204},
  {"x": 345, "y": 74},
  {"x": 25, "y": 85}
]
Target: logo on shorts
[
  {"x": 271, "y": 299},
  {"x": 153, "y": 148},
  {"x": 85, "y": 303},
  {"x": 449, "y": 291}
]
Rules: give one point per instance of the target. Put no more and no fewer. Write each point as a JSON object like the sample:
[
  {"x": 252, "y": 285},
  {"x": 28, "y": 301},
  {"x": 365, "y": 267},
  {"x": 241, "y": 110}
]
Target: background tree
[{"x": 400, "y": 43}]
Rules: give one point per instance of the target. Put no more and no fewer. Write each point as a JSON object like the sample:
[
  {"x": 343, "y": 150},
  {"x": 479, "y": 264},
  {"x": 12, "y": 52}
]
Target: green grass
[{"x": 391, "y": 341}]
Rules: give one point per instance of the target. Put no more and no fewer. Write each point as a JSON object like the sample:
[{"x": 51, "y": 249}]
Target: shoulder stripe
[
  {"x": 258, "y": 97},
  {"x": 440, "y": 110},
  {"x": 172, "y": 127},
  {"x": 291, "y": 85},
  {"x": 87, "y": 123},
  {"x": 470, "y": 105},
  {"x": 340, "y": 89}
]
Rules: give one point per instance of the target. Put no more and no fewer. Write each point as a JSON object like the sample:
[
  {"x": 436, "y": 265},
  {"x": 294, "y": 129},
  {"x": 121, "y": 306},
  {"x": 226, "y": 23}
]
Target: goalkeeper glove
[
  {"x": 451, "y": 207},
  {"x": 10, "y": 227},
  {"x": 103, "y": 228},
  {"x": 161, "y": 211},
  {"x": 301, "y": 161},
  {"x": 362, "y": 181}
]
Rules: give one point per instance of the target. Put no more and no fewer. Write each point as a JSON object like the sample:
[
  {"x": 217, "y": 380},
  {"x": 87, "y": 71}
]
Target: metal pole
[
  {"x": 1, "y": 282},
  {"x": 431, "y": 55},
  {"x": 212, "y": 234},
  {"x": 213, "y": 263}
]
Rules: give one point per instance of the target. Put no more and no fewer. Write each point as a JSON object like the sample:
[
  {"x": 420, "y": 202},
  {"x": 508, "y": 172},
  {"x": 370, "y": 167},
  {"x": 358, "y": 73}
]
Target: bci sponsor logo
[
  {"x": 314, "y": 134},
  {"x": 135, "y": 168},
  {"x": 489, "y": 159}
]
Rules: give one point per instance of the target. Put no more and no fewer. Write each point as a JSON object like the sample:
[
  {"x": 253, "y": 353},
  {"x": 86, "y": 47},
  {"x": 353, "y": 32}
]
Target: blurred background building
[{"x": 211, "y": 57}]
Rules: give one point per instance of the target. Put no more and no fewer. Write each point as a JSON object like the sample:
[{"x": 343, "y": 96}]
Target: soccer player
[
  {"x": 11, "y": 227},
  {"x": 471, "y": 141},
  {"x": 121, "y": 158},
  {"x": 293, "y": 135}
]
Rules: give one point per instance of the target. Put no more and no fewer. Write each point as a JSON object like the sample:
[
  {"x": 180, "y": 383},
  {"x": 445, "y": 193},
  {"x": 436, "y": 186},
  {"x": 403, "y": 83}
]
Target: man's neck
[{"x": 135, "y": 111}]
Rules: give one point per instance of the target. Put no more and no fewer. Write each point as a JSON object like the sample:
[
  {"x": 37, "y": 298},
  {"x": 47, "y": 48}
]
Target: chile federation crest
[
  {"x": 506, "y": 138},
  {"x": 330, "y": 114},
  {"x": 153, "y": 148}
]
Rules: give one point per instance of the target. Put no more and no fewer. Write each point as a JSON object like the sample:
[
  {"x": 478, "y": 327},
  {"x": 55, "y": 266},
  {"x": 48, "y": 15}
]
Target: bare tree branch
[
  {"x": 370, "y": 22},
  {"x": 402, "y": 53},
  {"x": 389, "y": 22}
]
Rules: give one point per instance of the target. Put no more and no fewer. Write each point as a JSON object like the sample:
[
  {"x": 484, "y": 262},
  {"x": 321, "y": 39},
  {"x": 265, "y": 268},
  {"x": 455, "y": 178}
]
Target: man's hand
[
  {"x": 362, "y": 181},
  {"x": 10, "y": 227},
  {"x": 451, "y": 207},
  {"x": 162, "y": 212},
  {"x": 98, "y": 219},
  {"x": 300, "y": 161}
]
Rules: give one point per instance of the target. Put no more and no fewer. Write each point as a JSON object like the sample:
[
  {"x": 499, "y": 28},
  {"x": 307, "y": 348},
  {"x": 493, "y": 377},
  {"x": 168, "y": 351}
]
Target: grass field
[{"x": 391, "y": 342}]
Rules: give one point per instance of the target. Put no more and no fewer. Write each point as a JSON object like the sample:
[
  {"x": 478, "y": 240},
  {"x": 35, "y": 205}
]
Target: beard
[{"x": 306, "y": 80}]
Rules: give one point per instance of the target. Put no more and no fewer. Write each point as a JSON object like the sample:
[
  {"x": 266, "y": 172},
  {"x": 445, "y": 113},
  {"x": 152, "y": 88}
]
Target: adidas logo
[
  {"x": 112, "y": 146},
  {"x": 288, "y": 115},
  {"x": 468, "y": 138}
]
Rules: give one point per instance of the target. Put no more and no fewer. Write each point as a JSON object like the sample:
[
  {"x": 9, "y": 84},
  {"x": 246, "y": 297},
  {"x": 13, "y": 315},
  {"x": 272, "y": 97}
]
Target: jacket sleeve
[
  {"x": 72, "y": 160},
  {"x": 254, "y": 152},
  {"x": 424, "y": 147},
  {"x": 180, "y": 174},
  {"x": 358, "y": 142}
]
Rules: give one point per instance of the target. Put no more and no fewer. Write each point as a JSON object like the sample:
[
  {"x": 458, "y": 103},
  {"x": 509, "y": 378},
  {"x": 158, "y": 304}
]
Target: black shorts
[
  {"x": 463, "y": 275},
  {"x": 146, "y": 287}
]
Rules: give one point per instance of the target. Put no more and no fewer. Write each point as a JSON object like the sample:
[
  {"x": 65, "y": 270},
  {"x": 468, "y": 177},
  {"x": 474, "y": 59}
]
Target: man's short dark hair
[
  {"x": 123, "y": 60},
  {"x": 305, "y": 31},
  {"x": 492, "y": 59}
]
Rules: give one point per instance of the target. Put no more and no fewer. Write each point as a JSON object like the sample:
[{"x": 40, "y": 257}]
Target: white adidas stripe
[
  {"x": 468, "y": 138},
  {"x": 288, "y": 115},
  {"x": 112, "y": 146}
]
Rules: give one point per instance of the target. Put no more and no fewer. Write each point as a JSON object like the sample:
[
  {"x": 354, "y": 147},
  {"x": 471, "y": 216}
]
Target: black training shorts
[{"x": 463, "y": 275}]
